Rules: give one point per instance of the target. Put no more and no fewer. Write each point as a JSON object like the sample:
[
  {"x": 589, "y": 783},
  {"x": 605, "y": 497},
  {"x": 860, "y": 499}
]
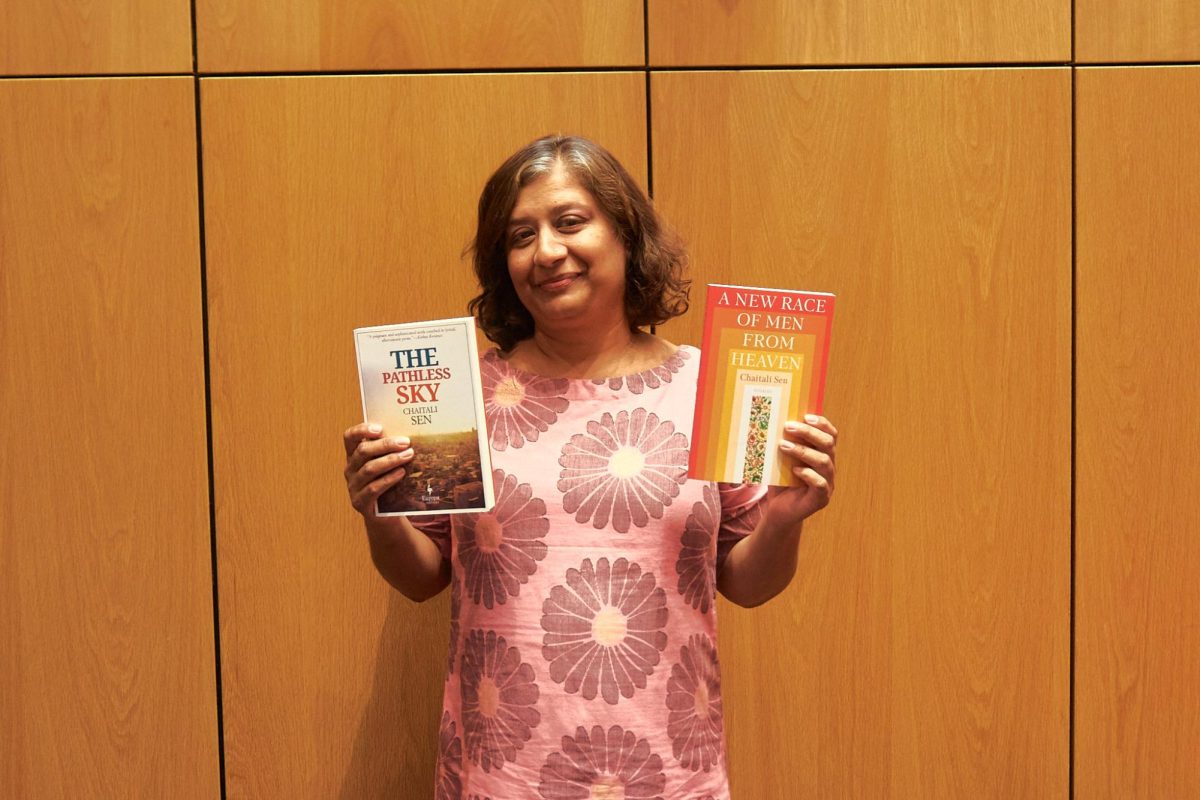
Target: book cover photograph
[
  {"x": 421, "y": 380},
  {"x": 762, "y": 363}
]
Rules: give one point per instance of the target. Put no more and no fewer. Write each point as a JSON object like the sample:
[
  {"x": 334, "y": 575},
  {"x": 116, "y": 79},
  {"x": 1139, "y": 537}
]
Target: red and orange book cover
[
  {"x": 421, "y": 380},
  {"x": 762, "y": 363}
]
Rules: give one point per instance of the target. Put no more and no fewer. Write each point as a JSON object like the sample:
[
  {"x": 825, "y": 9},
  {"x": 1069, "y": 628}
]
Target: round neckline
[{"x": 494, "y": 352}]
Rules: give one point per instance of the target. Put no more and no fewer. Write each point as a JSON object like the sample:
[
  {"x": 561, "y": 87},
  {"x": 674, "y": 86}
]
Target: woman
[{"x": 583, "y": 631}]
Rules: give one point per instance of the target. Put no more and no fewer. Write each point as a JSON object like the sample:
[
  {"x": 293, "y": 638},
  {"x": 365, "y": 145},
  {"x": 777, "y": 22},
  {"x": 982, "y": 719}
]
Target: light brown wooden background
[{"x": 1008, "y": 221}]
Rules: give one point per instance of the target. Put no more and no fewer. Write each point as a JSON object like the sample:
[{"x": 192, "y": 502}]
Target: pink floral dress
[{"x": 582, "y": 659}]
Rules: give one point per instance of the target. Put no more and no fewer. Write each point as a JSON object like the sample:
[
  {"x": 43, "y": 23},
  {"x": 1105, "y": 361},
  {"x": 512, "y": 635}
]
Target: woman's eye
[
  {"x": 520, "y": 237},
  {"x": 570, "y": 222}
]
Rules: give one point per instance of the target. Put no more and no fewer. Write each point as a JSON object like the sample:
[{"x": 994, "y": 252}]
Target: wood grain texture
[
  {"x": 261, "y": 35},
  {"x": 769, "y": 32},
  {"x": 923, "y": 650},
  {"x": 1138, "y": 513},
  {"x": 107, "y": 675},
  {"x": 68, "y": 37},
  {"x": 333, "y": 203},
  {"x": 1136, "y": 30}
]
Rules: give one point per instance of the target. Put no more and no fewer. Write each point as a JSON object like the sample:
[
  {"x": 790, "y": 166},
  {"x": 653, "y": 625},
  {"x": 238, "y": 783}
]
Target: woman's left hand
[{"x": 811, "y": 447}]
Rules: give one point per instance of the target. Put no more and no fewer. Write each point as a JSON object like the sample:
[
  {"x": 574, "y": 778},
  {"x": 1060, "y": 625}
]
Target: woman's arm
[
  {"x": 406, "y": 558},
  {"x": 762, "y": 564}
]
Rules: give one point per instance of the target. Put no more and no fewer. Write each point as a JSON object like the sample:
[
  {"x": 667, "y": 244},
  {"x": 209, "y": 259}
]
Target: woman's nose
[{"x": 549, "y": 248}]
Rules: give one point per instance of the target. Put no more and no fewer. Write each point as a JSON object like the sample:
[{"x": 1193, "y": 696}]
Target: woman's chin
[
  {"x": 572, "y": 314},
  {"x": 578, "y": 306},
  {"x": 560, "y": 305},
  {"x": 554, "y": 314}
]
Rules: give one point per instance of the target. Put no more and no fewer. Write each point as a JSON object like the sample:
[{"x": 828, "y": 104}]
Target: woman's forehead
[{"x": 551, "y": 192}]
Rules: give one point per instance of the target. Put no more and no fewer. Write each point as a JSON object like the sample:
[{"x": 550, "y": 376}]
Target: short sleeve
[
  {"x": 741, "y": 508},
  {"x": 437, "y": 528}
]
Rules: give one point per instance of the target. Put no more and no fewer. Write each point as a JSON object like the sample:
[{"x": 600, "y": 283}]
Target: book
[
  {"x": 762, "y": 363},
  {"x": 421, "y": 380}
]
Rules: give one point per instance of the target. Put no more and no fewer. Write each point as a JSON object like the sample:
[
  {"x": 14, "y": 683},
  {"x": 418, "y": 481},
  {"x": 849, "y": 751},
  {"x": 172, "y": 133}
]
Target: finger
[
  {"x": 808, "y": 456},
  {"x": 818, "y": 460},
  {"x": 364, "y": 430},
  {"x": 817, "y": 421},
  {"x": 809, "y": 435},
  {"x": 816, "y": 483},
  {"x": 376, "y": 468},
  {"x": 369, "y": 449},
  {"x": 364, "y": 500}
]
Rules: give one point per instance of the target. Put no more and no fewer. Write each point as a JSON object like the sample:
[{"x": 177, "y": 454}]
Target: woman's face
[{"x": 565, "y": 257}]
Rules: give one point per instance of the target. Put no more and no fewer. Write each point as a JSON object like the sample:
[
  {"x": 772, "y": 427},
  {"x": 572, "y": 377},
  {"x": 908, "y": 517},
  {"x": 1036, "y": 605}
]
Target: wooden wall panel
[
  {"x": 1136, "y": 30},
  {"x": 924, "y": 649},
  {"x": 107, "y": 675},
  {"x": 1138, "y": 513},
  {"x": 262, "y": 35},
  {"x": 765, "y": 32},
  {"x": 333, "y": 203},
  {"x": 67, "y": 37}
]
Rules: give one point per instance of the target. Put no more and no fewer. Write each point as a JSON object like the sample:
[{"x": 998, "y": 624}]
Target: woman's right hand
[
  {"x": 407, "y": 558},
  {"x": 374, "y": 463}
]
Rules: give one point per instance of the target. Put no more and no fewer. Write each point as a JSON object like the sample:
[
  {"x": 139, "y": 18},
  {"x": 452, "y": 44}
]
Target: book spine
[{"x": 702, "y": 438}]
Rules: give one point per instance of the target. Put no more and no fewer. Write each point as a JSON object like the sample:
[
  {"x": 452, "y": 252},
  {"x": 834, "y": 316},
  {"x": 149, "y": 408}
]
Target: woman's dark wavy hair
[{"x": 655, "y": 259}]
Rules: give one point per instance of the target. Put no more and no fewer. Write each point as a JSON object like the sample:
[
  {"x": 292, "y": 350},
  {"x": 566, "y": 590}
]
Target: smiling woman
[
  {"x": 565, "y": 259},
  {"x": 583, "y": 657},
  {"x": 561, "y": 194}
]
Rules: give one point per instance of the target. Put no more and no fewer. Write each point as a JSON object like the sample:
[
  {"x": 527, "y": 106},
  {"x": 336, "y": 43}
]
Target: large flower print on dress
[
  {"x": 697, "y": 573},
  {"x": 650, "y": 378},
  {"x": 448, "y": 782},
  {"x": 694, "y": 700},
  {"x": 604, "y": 629},
  {"x": 499, "y": 549},
  {"x": 499, "y": 700},
  {"x": 627, "y": 467},
  {"x": 616, "y": 765},
  {"x": 518, "y": 406}
]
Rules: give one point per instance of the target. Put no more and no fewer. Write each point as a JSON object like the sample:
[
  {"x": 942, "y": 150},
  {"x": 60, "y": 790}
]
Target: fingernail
[
  {"x": 406, "y": 453},
  {"x": 401, "y": 441},
  {"x": 786, "y": 446},
  {"x": 792, "y": 427},
  {"x": 373, "y": 428},
  {"x": 811, "y": 419}
]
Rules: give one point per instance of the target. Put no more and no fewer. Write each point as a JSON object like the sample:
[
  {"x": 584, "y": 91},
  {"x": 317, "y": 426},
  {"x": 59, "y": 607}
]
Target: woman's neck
[{"x": 616, "y": 350}]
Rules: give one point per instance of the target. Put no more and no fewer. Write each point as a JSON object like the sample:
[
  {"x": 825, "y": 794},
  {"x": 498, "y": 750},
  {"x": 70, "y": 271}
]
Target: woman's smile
[{"x": 559, "y": 283}]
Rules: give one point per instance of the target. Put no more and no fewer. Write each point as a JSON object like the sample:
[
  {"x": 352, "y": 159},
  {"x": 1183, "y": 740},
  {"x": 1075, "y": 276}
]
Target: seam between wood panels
[{"x": 212, "y": 503}]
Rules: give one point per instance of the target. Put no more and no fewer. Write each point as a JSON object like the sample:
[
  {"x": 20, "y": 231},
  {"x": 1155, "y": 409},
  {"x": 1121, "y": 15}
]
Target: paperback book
[
  {"x": 421, "y": 380},
  {"x": 763, "y": 363}
]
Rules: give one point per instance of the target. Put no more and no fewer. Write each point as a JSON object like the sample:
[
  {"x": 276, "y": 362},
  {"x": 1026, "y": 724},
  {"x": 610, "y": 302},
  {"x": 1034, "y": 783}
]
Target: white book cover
[{"x": 421, "y": 380}]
